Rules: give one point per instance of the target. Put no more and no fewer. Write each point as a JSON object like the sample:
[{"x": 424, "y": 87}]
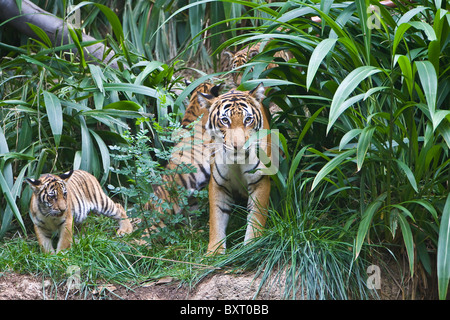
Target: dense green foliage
[{"x": 364, "y": 124}]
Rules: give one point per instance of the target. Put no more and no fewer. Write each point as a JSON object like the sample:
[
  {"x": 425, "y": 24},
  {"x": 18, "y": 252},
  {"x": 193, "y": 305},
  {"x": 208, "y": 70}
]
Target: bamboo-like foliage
[
  {"x": 375, "y": 84},
  {"x": 367, "y": 91},
  {"x": 364, "y": 120}
]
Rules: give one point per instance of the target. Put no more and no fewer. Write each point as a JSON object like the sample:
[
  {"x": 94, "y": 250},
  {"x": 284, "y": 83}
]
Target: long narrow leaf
[
  {"x": 98, "y": 76},
  {"x": 87, "y": 149},
  {"x": 363, "y": 145},
  {"x": 428, "y": 78},
  {"x": 5, "y": 190},
  {"x": 54, "y": 114},
  {"x": 110, "y": 15},
  {"x": 409, "y": 174},
  {"x": 104, "y": 152},
  {"x": 443, "y": 251},
  {"x": 347, "y": 86},
  {"x": 408, "y": 240},
  {"x": 7, "y": 169},
  {"x": 317, "y": 57},
  {"x": 330, "y": 166},
  {"x": 366, "y": 221}
]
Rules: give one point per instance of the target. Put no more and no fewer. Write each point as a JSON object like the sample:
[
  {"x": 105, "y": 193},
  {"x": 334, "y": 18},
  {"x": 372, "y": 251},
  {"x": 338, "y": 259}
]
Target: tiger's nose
[{"x": 62, "y": 206}]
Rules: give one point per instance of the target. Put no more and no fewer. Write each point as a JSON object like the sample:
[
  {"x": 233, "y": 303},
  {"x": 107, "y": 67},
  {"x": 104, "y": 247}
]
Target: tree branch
[{"x": 56, "y": 28}]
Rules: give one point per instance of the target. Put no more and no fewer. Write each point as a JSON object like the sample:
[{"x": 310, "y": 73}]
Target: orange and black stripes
[{"x": 57, "y": 201}]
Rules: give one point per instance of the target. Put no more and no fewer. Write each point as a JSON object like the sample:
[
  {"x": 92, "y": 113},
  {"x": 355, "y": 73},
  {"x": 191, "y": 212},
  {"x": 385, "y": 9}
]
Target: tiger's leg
[
  {"x": 65, "y": 234},
  {"x": 219, "y": 214},
  {"x": 113, "y": 210},
  {"x": 258, "y": 203},
  {"x": 44, "y": 240},
  {"x": 125, "y": 226}
]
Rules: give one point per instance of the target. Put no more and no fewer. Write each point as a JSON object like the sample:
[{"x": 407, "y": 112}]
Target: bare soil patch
[{"x": 217, "y": 286}]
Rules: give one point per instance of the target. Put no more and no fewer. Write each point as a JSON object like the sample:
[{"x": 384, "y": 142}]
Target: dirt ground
[{"x": 217, "y": 286}]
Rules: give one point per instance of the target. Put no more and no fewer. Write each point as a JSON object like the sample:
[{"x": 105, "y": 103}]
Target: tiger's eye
[
  {"x": 248, "y": 120},
  {"x": 225, "y": 121}
]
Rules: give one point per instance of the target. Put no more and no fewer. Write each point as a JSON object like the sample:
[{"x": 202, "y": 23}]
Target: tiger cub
[
  {"x": 236, "y": 168},
  {"x": 58, "y": 201}
]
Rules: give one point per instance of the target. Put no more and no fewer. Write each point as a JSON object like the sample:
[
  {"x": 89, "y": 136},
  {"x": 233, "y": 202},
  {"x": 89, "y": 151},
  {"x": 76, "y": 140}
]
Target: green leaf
[
  {"x": 54, "y": 114},
  {"x": 443, "y": 251},
  {"x": 428, "y": 206},
  {"x": 110, "y": 15},
  {"x": 87, "y": 148},
  {"x": 98, "y": 76},
  {"x": 409, "y": 174},
  {"x": 123, "y": 105},
  {"x": 6, "y": 191},
  {"x": 425, "y": 27},
  {"x": 77, "y": 38},
  {"x": 41, "y": 34},
  {"x": 295, "y": 164},
  {"x": 104, "y": 152},
  {"x": 405, "y": 66},
  {"x": 129, "y": 87},
  {"x": 317, "y": 57},
  {"x": 149, "y": 68},
  {"x": 428, "y": 78},
  {"x": 330, "y": 166},
  {"x": 363, "y": 145},
  {"x": 347, "y": 86},
  {"x": 408, "y": 240},
  {"x": 399, "y": 32},
  {"x": 348, "y": 137},
  {"x": 362, "y": 6},
  {"x": 196, "y": 14},
  {"x": 365, "y": 223}
]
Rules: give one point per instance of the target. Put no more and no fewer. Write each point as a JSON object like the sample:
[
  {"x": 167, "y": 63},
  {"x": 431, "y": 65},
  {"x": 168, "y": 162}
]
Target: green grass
[
  {"x": 104, "y": 258},
  {"x": 300, "y": 250},
  {"x": 305, "y": 249}
]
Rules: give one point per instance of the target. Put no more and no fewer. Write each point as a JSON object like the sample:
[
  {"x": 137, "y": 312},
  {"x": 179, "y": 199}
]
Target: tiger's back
[{"x": 87, "y": 196}]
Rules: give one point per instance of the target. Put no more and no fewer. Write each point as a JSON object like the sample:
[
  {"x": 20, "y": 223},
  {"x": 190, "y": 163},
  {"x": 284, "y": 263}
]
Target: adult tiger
[
  {"x": 58, "y": 201},
  {"x": 236, "y": 168}
]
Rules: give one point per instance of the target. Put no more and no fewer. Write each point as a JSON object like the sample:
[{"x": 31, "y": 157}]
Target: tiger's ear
[
  {"x": 205, "y": 100},
  {"x": 215, "y": 91},
  {"x": 253, "y": 53},
  {"x": 34, "y": 183},
  {"x": 66, "y": 175},
  {"x": 226, "y": 58},
  {"x": 228, "y": 53},
  {"x": 258, "y": 92}
]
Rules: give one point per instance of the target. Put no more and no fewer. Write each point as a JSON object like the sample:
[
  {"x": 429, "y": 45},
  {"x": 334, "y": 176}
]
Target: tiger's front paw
[
  {"x": 214, "y": 249},
  {"x": 125, "y": 228}
]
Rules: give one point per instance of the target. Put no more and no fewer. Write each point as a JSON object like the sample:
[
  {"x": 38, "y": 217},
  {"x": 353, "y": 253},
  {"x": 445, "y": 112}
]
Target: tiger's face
[
  {"x": 51, "y": 192},
  {"x": 234, "y": 117}
]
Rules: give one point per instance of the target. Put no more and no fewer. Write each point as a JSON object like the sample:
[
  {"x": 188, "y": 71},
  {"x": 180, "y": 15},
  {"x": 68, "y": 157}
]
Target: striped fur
[
  {"x": 235, "y": 167},
  {"x": 58, "y": 201},
  {"x": 235, "y": 60},
  {"x": 190, "y": 150}
]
